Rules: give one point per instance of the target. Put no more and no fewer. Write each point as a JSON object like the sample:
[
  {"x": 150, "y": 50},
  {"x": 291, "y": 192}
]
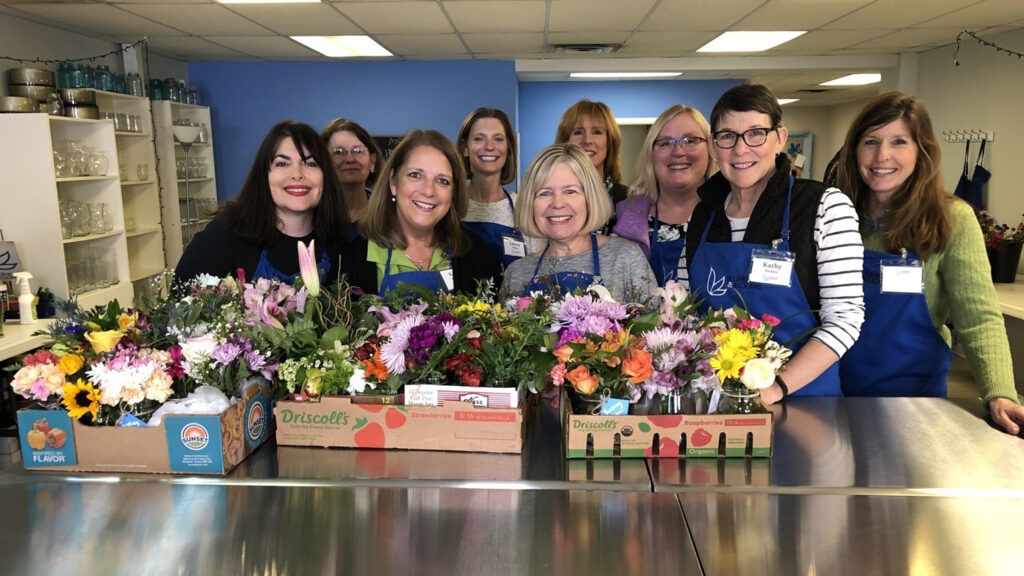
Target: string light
[
  {"x": 143, "y": 42},
  {"x": 956, "y": 53}
]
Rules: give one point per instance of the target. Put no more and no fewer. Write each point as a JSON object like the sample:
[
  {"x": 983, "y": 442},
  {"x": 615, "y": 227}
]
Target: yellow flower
[
  {"x": 70, "y": 364},
  {"x": 727, "y": 365},
  {"x": 125, "y": 321},
  {"x": 104, "y": 341},
  {"x": 475, "y": 307},
  {"x": 738, "y": 344},
  {"x": 81, "y": 398}
]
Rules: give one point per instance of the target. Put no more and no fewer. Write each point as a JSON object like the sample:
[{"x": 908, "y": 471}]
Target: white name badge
[
  {"x": 448, "y": 276},
  {"x": 902, "y": 276},
  {"x": 513, "y": 246},
  {"x": 773, "y": 267}
]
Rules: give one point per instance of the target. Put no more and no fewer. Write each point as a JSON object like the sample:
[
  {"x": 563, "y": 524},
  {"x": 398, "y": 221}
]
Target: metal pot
[
  {"x": 82, "y": 111},
  {"x": 30, "y": 76},
  {"x": 18, "y": 104},
  {"x": 78, "y": 96},
  {"x": 37, "y": 93}
]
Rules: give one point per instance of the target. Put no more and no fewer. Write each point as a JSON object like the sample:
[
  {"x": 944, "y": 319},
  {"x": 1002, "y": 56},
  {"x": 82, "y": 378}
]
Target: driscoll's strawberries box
[
  {"x": 671, "y": 436},
  {"x": 460, "y": 426},
  {"x": 181, "y": 444}
]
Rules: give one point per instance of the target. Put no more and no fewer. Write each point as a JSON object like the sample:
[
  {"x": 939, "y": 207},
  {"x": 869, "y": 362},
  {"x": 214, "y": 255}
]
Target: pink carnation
[
  {"x": 770, "y": 320},
  {"x": 750, "y": 324}
]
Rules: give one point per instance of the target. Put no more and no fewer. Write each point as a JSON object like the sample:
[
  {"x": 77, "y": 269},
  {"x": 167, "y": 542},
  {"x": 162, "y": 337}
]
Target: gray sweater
[{"x": 624, "y": 270}]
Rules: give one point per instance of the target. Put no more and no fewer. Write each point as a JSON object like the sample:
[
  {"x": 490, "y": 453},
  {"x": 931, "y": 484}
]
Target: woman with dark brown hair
[
  {"x": 924, "y": 263},
  {"x": 357, "y": 162},
  {"x": 411, "y": 233},
  {"x": 592, "y": 126}
]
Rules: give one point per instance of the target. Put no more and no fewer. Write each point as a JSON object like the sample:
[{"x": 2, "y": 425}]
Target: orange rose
[
  {"x": 582, "y": 380},
  {"x": 563, "y": 353},
  {"x": 637, "y": 366}
]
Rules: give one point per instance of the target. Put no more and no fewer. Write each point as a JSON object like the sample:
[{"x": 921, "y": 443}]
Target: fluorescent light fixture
[
  {"x": 343, "y": 46},
  {"x": 625, "y": 74},
  {"x": 269, "y": 1},
  {"x": 854, "y": 80},
  {"x": 749, "y": 41},
  {"x": 784, "y": 101}
]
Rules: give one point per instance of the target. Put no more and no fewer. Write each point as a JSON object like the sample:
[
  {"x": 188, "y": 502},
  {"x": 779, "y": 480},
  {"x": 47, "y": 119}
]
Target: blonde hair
[
  {"x": 380, "y": 223},
  {"x": 602, "y": 113},
  {"x": 645, "y": 183},
  {"x": 599, "y": 204}
]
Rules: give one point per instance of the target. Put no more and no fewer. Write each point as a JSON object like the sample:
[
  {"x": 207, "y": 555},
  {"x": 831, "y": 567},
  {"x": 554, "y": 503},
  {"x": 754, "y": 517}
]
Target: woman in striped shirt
[{"x": 774, "y": 244}]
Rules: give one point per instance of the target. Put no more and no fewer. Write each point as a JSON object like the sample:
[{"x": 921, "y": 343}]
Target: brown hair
[
  {"x": 919, "y": 216},
  {"x": 381, "y": 221},
  {"x": 602, "y": 113},
  {"x": 346, "y": 125},
  {"x": 645, "y": 183},
  {"x": 508, "y": 171},
  {"x": 747, "y": 98},
  {"x": 599, "y": 203}
]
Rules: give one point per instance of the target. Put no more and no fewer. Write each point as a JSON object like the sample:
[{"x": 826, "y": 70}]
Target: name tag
[
  {"x": 513, "y": 246},
  {"x": 614, "y": 407},
  {"x": 448, "y": 276},
  {"x": 773, "y": 267},
  {"x": 902, "y": 276}
]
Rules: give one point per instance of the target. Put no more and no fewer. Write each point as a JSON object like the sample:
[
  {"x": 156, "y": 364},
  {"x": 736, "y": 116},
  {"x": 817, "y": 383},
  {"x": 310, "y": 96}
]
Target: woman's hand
[
  {"x": 773, "y": 394},
  {"x": 1007, "y": 414}
]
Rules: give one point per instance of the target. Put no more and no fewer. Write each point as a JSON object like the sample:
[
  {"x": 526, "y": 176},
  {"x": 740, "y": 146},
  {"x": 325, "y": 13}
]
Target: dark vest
[{"x": 766, "y": 220}]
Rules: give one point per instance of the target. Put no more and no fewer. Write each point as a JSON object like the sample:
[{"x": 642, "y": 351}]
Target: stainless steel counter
[{"x": 859, "y": 486}]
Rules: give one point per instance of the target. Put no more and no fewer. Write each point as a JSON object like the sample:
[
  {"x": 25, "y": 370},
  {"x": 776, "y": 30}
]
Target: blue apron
[
  {"x": 726, "y": 268},
  {"x": 665, "y": 255},
  {"x": 565, "y": 281},
  {"x": 963, "y": 185},
  {"x": 979, "y": 180},
  {"x": 490, "y": 233},
  {"x": 429, "y": 279},
  {"x": 899, "y": 352},
  {"x": 264, "y": 269}
]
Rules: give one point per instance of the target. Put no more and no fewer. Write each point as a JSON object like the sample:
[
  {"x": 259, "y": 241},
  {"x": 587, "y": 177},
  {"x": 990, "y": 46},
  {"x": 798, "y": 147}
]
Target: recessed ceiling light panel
[
  {"x": 269, "y": 1},
  {"x": 625, "y": 75},
  {"x": 854, "y": 80},
  {"x": 784, "y": 101},
  {"x": 343, "y": 46},
  {"x": 738, "y": 41}
]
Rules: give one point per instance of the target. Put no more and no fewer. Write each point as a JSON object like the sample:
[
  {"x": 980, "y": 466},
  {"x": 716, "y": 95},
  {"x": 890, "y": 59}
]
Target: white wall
[
  {"x": 23, "y": 39},
  {"x": 828, "y": 125}
]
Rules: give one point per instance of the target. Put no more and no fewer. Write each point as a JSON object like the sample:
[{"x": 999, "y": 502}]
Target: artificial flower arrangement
[{"x": 997, "y": 235}]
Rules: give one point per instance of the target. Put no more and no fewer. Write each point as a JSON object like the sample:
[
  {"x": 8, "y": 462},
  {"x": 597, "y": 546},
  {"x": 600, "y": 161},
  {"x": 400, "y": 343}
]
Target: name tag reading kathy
[
  {"x": 448, "y": 276},
  {"x": 902, "y": 276},
  {"x": 773, "y": 267},
  {"x": 513, "y": 246}
]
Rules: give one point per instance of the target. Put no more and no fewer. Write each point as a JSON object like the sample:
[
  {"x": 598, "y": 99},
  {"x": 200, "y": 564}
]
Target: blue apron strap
[
  {"x": 967, "y": 155},
  {"x": 785, "y": 213},
  {"x": 707, "y": 227},
  {"x": 653, "y": 232},
  {"x": 540, "y": 260},
  {"x": 593, "y": 255},
  {"x": 387, "y": 266}
]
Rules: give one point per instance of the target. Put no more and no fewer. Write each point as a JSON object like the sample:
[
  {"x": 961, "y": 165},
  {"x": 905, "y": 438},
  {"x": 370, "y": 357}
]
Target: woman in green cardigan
[{"x": 924, "y": 263}]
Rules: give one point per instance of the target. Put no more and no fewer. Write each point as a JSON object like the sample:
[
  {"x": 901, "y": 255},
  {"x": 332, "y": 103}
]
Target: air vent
[
  {"x": 814, "y": 90},
  {"x": 586, "y": 48}
]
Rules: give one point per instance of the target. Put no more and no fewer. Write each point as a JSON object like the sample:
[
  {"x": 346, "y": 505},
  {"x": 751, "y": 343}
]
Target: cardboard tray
[
  {"x": 181, "y": 444},
  {"x": 337, "y": 422},
  {"x": 669, "y": 436}
]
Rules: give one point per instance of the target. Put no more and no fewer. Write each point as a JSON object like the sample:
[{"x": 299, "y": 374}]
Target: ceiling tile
[
  {"x": 100, "y": 18},
  {"x": 813, "y": 42},
  {"x": 298, "y": 19},
  {"x": 913, "y": 38},
  {"x": 668, "y": 43},
  {"x": 497, "y": 15},
  {"x": 595, "y": 15},
  {"x": 587, "y": 37},
  {"x": 698, "y": 14},
  {"x": 896, "y": 14},
  {"x": 494, "y": 43},
  {"x": 200, "y": 20},
  {"x": 396, "y": 17},
  {"x": 191, "y": 47},
  {"x": 269, "y": 47},
  {"x": 987, "y": 13},
  {"x": 409, "y": 45},
  {"x": 797, "y": 14}
]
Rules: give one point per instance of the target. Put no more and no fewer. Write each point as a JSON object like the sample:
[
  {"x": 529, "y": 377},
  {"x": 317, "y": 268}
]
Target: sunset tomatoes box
[
  {"x": 337, "y": 422},
  {"x": 668, "y": 436},
  {"x": 181, "y": 444}
]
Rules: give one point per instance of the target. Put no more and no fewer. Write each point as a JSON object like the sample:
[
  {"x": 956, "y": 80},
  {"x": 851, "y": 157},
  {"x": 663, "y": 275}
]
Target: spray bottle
[{"x": 25, "y": 298}]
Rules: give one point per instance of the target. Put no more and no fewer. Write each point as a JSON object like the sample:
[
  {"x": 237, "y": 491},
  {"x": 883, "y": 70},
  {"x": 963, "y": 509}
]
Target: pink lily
[{"x": 307, "y": 268}]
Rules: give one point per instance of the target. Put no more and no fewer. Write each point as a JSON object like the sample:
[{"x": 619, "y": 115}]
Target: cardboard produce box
[
  {"x": 181, "y": 444},
  {"x": 335, "y": 421},
  {"x": 703, "y": 435}
]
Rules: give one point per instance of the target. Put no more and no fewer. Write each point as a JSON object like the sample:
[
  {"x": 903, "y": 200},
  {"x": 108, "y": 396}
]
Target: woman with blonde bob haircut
[
  {"x": 674, "y": 161},
  {"x": 890, "y": 168},
  {"x": 592, "y": 126},
  {"x": 563, "y": 202},
  {"x": 411, "y": 230}
]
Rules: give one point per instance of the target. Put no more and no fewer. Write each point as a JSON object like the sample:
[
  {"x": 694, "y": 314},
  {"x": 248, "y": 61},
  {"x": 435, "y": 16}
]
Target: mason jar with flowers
[{"x": 746, "y": 360}]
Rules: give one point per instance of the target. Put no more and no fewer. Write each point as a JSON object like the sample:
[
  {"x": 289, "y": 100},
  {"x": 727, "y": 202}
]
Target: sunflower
[{"x": 82, "y": 400}]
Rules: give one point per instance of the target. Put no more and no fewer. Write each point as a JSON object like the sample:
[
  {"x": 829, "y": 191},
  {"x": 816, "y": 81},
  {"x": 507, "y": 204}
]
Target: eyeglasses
[
  {"x": 754, "y": 137},
  {"x": 687, "y": 142},
  {"x": 355, "y": 151}
]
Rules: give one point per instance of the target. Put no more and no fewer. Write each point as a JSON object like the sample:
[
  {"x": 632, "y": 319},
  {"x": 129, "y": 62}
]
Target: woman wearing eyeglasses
[
  {"x": 674, "y": 161},
  {"x": 775, "y": 244},
  {"x": 356, "y": 160}
]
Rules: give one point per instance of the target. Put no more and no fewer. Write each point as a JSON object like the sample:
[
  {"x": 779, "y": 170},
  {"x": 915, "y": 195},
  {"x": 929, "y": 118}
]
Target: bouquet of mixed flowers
[
  {"x": 998, "y": 235},
  {"x": 106, "y": 366}
]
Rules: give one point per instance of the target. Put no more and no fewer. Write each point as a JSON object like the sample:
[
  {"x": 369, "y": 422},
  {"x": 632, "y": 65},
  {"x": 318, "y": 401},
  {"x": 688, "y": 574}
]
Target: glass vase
[{"x": 738, "y": 399}]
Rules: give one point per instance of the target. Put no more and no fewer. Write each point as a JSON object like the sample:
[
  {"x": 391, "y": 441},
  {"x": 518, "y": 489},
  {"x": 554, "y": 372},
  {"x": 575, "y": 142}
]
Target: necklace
[{"x": 419, "y": 262}]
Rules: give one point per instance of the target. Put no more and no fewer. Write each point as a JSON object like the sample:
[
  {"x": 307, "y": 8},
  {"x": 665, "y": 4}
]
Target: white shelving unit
[
  {"x": 31, "y": 193},
  {"x": 181, "y": 223},
  {"x": 136, "y": 153}
]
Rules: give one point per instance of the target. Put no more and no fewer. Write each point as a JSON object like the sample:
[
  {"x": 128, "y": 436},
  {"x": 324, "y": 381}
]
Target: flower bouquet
[{"x": 1003, "y": 244}]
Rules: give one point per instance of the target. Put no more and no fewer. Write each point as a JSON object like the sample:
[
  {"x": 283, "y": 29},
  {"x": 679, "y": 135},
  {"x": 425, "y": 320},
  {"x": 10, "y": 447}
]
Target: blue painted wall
[
  {"x": 386, "y": 98},
  {"x": 541, "y": 104}
]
